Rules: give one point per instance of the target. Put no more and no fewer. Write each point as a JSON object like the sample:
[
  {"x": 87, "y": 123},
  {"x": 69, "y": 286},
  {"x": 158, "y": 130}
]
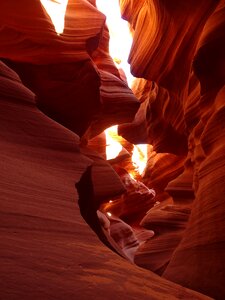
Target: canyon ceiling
[{"x": 70, "y": 219}]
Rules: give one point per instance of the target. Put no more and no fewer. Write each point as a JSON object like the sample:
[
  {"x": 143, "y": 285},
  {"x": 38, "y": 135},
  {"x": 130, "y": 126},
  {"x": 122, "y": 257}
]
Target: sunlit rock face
[
  {"x": 178, "y": 49},
  {"x": 47, "y": 250},
  {"x": 59, "y": 92},
  {"x": 64, "y": 70}
]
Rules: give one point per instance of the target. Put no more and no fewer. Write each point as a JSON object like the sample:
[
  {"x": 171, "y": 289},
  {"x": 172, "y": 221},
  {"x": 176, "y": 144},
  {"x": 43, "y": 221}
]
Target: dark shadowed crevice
[{"x": 88, "y": 208}]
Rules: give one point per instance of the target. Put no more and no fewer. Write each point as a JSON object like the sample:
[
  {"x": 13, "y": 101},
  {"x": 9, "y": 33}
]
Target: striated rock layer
[
  {"x": 47, "y": 250},
  {"x": 50, "y": 176},
  {"x": 178, "y": 52}
]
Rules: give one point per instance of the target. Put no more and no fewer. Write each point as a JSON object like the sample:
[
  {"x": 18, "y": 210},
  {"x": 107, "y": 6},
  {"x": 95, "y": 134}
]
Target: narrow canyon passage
[{"x": 112, "y": 148}]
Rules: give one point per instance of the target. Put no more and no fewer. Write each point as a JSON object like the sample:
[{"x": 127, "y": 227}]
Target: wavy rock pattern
[
  {"x": 47, "y": 250},
  {"x": 178, "y": 50},
  {"x": 29, "y": 30},
  {"x": 60, "y": 69},
  {"x": 155, "y": 253},
  {"x": 203, "y": 241},
  {"x": 163, "y": 128},
  {"x": 168, "y": 222}
]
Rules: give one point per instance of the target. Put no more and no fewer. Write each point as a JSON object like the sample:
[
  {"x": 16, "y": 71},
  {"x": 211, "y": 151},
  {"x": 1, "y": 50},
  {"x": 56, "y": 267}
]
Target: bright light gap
[
  {"x": 56, "y": 9},
  {"x": 120, "y": 36}
]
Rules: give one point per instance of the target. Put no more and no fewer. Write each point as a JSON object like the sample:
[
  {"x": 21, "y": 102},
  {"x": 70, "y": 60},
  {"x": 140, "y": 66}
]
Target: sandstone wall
[{"x": 178, "y": 51}]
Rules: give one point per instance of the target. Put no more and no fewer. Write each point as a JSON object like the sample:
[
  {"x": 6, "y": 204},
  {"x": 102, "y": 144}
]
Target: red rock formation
[
  {"x": 50, "y": 176},
  {"x": 47, "y": 251},
  {"x": 180, "y": 48},
  {"x": 203, "y": 242},
  {"x": 29, "y": 30},
  {"x": 134, "y": 203},
  {"x": 60, "y": 70}
]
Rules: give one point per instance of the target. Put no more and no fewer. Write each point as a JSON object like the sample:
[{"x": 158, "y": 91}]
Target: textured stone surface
[
  {"x": 69, "y": 72},
  {"x": 47, "y": 250},
  {"x": 178, "y": 51}
]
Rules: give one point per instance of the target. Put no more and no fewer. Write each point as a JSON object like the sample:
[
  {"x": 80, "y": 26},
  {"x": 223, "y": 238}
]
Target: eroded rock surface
[
  {"x": 47, "y": 250},
  {"x": 178, "y": 51},
  {"x": 51, "y": 155}
]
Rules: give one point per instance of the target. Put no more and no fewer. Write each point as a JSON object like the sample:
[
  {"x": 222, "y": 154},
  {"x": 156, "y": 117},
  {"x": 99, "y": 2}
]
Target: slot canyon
[{"x": 147, "y": 222}]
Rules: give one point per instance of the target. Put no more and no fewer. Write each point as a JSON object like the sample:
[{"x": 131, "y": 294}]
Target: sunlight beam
[{"x": 113, "y": 147}]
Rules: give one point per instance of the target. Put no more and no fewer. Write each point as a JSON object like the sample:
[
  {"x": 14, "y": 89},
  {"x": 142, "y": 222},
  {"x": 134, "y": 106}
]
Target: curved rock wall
[
  {"x": 178, "y": 49},
  {"x": 47, "y": 250}
]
